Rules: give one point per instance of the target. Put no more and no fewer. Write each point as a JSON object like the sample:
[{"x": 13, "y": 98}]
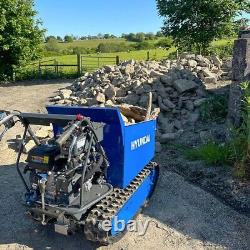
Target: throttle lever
[{"x": 6, "y": 119}]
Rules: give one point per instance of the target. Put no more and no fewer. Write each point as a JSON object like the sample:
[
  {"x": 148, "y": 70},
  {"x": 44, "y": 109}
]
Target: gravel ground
[{"x": 183, "y": 215}]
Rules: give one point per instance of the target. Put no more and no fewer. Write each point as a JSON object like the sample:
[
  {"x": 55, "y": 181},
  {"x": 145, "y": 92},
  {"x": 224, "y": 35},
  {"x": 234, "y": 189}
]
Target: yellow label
[
  {"x": 46, "y": 159},
  {"x": 39, "y": 159}
]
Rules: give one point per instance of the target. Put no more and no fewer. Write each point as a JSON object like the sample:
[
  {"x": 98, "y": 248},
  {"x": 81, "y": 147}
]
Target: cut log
[{"x": 149, "y": 108}]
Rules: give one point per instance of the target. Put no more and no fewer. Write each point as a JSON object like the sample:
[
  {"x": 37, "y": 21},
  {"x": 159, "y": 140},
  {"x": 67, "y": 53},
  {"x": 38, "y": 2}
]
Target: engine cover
[{"x": 42, "y": 157}]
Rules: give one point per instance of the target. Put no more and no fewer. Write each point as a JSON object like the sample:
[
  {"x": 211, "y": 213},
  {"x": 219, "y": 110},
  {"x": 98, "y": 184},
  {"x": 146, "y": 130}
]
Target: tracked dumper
[{"x": 93, "y": 170}]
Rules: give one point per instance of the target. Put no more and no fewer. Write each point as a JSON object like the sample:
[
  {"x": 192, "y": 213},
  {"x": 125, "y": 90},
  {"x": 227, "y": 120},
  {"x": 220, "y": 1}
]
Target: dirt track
[{"x": 183, "y": 216}]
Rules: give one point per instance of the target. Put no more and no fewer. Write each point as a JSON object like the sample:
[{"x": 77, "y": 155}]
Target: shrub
[
  {"x": 68, "y": 39},
  {"x": 52, "y": 45},
  {"x": 165, "y": 43},
  {"x": 222, "y": 51},
  {"x": 215, "y": 108},
  {"x": 113, "y": 47},
  {"x": 144, "y": 45}
]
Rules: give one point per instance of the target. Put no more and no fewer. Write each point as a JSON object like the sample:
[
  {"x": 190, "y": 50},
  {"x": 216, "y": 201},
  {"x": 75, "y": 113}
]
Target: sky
[{"x": 90, "y": 17}]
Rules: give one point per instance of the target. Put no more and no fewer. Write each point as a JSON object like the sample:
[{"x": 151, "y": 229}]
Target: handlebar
[{"x": 6, "y": 119}]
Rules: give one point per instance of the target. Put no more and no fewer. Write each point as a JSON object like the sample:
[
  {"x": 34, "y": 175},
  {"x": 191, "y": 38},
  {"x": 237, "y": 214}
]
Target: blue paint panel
[
  {"x": 136, "y": 201},
  {"x": 125, "y": 163},
  {"x": 135, "y": 160}
]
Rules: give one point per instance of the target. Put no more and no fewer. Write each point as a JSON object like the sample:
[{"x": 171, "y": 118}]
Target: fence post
[
  {"x": 79, "y": 64},
  {"x": 148, "y": 56},
  {"x": 39, "y": 69},
  {"x": 55, "y": 66},
  {"x": 117, "y": 60}
]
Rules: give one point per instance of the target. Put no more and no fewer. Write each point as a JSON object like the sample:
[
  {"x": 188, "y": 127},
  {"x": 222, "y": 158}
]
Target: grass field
[
  {"x": 139, "y": 55},
  {"x": 90, "y": 43},
  {"x": 93, "y": 63},
  {"x": 95, "y": 42}
]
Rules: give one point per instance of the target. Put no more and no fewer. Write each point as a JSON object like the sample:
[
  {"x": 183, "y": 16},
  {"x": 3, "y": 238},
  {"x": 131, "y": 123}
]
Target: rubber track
[{"x": 109, "y": 207}]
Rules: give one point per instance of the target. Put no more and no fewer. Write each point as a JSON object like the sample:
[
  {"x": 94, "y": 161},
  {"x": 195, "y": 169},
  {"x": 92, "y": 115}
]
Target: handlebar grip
[
  {"x": 65, "y": 136},
  {"x": 6, "y": 119}
]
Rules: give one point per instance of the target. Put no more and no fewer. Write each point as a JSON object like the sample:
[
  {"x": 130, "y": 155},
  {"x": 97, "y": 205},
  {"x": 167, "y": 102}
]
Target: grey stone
[
  {"x": 56, "y": 98},
  {"x": 121, "y": 92},
  {"x": 167, "y": 79},
  {"x": 109, "y": 68},
  {"x": 167, "y": 127},
  {"x": 143, "y": 101},
  {"x": 183, "y": 85},
  {"x": 187, "y": 55},
  {"x": 165, "y": 138},
  {"x": 192, "y": 63},
  {"x": 216, "y": 61},
  {"x": 189, "y": 105},
  {"x": 168, "y": 137},
  {"x": 161, "y": 105},
  {"x": 131, "y": 99},
  {"x": 168, "y": 103},
  {"x": 158, "y": 147},
  {"x": 65, "y": 93},
  {"x": 129, "y": 69},
  {"x": 100, "y": 97},
  {"x": 154, "y": 73},
  {"x": 207, "y": 73},
  {"x": 110, "y": 92},
  {"x": 210, "y": 79},
  {"x": 206, "y": 136},
  {"x": 91, "y": 101},
  {"x": 194, "y": 117},
  {"x": 199, "y": 102}
]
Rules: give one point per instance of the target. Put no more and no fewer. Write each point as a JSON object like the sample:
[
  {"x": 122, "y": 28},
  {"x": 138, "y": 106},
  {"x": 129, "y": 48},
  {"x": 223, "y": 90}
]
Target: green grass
[
  {"x": 92, "y": 44},
  {"x": 32, "y": 70},
  {"x": 155, "y": 54},
  {"x": 139, "y": 55},
  {"x": 211, "y": 153}
]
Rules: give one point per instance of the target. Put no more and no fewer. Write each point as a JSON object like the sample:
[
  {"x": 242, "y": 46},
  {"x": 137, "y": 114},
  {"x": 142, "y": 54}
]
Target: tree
[
  {"x": 20, "y": 35},
  {"x": 106, "y": 36},
  {"x": 58, "y": 38},
  {"x": 68, "y": 39},
  {"x": 140, "y": 37},
  {"x": 49, "y": 37},
  {"x": 196, "y": 23},
  {"x": 150, "y": 36}
]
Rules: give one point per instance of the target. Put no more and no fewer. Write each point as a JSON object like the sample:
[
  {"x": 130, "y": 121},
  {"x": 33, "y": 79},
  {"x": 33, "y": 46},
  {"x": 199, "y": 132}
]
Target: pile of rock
[{"x": 177, "y": 89}]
